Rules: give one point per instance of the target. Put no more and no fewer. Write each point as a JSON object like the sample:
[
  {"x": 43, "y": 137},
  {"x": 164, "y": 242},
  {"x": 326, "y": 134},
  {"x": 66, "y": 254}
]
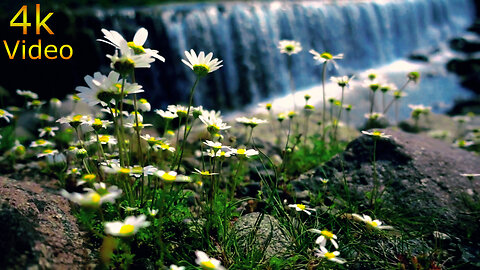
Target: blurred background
[{"x": 421, "y": 34}]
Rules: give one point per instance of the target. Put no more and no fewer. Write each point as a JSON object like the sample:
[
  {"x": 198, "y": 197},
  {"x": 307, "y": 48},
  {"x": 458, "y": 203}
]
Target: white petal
[{"x": 140, "y": 37}]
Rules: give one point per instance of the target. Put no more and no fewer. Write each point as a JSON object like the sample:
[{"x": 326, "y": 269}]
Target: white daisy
[
  {"x": 242, "y": 152},
  {"x": 324, "y": 57},
  {"x": 214, "y": 145},
  {"x": 47, "y": 152},
  {"x": 144, "y": 105},
  {"x": 47, "y": 130},
  {"x": 201, "y": 64},
  {"x": 331, "y": 256},
  {"x": 289, "y": 46},
  {"x": 115, "y": 39},
  {"x": 301, "y": 208},
  {"x": 250, "y": 122},
  {"x": 179, "y": 110},
  {"x": 206, "y": 262},
  {"x": 376, "y": 134},
  {"x": 129, "y": 227},
  {"x": 325, "y": 235},
  {"x": 212, "y": 120},
  {"x": 171, "y": 176},
  {"x": 75, "y": 120},
  {"x": 128, "y": 59},
  {"x": 5, "y": 115},
  {"x": 169, "y": 115},
  {"x": 376, "y": 224},
  {"x": 89, "y": 199},
  {"x": 27, "y": 94},
  {"x": 107, "y": 194},
  {"x": 204, "y": 173},
  {"x": 41, "y": 143},
  {"x": 342, "y": 81},
  {"x": 105, "y": 89},
  {"x": 107, "y": 139}
]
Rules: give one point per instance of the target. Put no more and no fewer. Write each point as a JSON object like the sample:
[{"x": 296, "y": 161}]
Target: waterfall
[{"x": 245, "y": 37}]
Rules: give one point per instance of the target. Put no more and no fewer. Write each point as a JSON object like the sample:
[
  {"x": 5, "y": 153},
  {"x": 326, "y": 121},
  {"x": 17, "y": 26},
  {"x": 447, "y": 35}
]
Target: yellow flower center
[
  {"x": 124, "y": 170},
  {"x": 329, "y": 255},
  {"x": 104, "y": 138},
  {"x": 377, "y": 133},
  {"x": 119, "y": 87},
  {"x": 126, "y": 229},
  {"x": 169, "y": 177},
  {"x": 96, "y": 197},
  {"x": 136, "y": 48},
  {"x": 213, "y": 128},
  {"x": 143, "y": 101},
  {"x": 89, "y": 177},
  {"x": 75, "y": 97},
  {"x": 2, "y": 112},
  {"x": 241, "y": 151},
  {"x": 289, "y": 48},
  {"x": 40, "y": 142},
  {"x": 205, "y": 173},
  {"x": 77, "y": 118},
  {"x": 327, "y": 234},
  {"x": 301, "y": 206},
  {"x": 201, "y": 69},
  {"x": 326, "y": 55},
  {"x": 373, "y": 223},
  {"x": 207, "y": 265},
  {"x": 97, "y": 122}
]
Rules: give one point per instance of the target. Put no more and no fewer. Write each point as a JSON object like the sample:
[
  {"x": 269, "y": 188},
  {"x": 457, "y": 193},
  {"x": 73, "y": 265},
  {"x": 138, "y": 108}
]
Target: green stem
[
  {"x": 373, "y": 198},
  {"x": 292, "y": 83},
  {"x": 324, "y": 73},
  {"x": 391, "y": 102},
  {"x": 186, "y": 122},
  {"x": 339, "y": 115}
]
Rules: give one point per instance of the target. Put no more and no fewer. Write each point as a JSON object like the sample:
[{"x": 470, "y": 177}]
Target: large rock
[
  {"x": 420, "y": 177},
  {"x": 38, "y": 231},
  {"x": 262, "y": 234}
]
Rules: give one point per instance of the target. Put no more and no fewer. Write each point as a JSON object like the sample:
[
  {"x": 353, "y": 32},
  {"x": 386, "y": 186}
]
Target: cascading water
[{"x": 245, "y": 37}]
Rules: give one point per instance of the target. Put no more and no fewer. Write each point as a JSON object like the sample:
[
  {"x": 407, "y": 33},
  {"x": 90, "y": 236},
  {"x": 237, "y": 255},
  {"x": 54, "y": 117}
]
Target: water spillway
[{"x": 245, "y": 37}]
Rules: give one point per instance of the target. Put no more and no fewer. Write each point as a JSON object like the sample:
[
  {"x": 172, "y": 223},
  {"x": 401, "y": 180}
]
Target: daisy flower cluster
[{"x": 132, "y": 172}]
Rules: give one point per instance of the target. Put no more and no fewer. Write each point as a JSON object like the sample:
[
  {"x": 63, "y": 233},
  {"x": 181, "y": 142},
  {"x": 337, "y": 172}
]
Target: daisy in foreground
[
  {"x": 331, "y": 256},
  {"x": 201, "y": 64},
  {"x": 301, "y": 208},
  {"x": 289, "y": 47},
  {"x": 129, "y": 227},
  {"x": 326, "y": 56},
  {"x": 206, "y": 262},
  {"x": 325, "y": 235},
  {"x": 115, "y": 39},
  {"x": 376, "y": 224},
  {"x": 376, "y": 134}
]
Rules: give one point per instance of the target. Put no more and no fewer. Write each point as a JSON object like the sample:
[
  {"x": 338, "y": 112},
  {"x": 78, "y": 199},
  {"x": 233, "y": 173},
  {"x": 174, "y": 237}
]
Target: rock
[
  {"x": 466, "y": 45},
  {"x": 419, "y": 57},
  {"x": 420, "y": 177},
  {"x": 38, "y": 231},
  {"x": 268, "y": 239}
]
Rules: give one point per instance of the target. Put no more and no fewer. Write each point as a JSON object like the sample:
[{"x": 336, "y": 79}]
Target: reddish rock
[{"x": 38, "y": 229}]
